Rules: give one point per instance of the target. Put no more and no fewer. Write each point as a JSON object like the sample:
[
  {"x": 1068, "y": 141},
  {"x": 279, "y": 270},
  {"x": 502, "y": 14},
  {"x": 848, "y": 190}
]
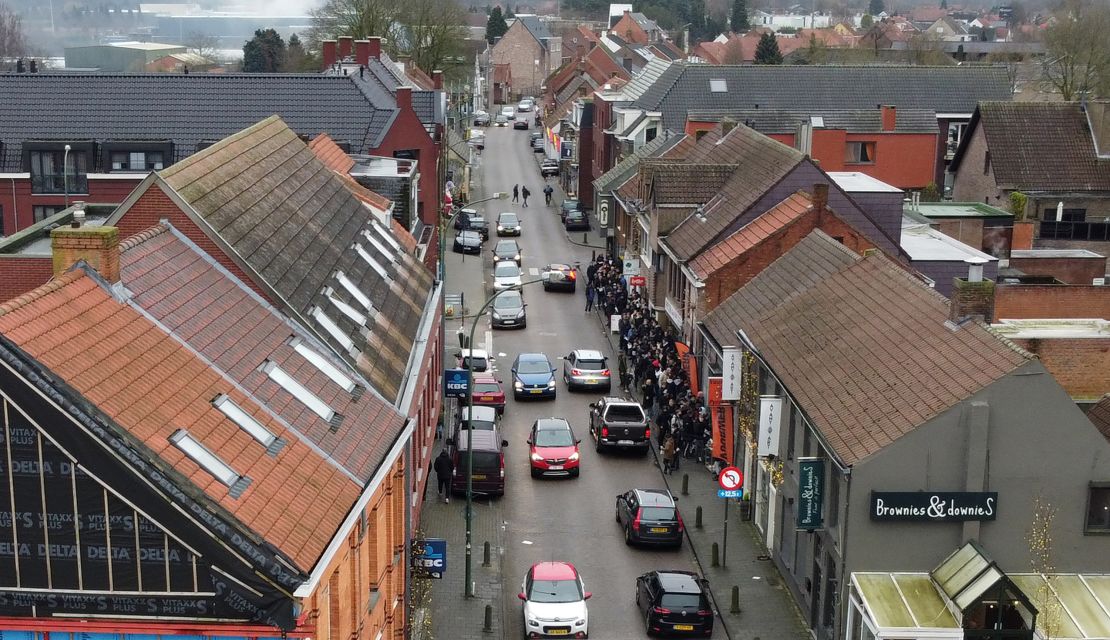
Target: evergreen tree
[
  {"x": 866, "y": 21},
  {"x": 495, "y": 25},
  {"x": 738, "y": 21},
  {"x": 509, "y": 12},
  {"x": 767, "y": 51},
  {"x": 264, "y": 53},
  {"x": 944, "y": 4},
  {"x": 875, "y": 8},
  {"x": 296, "y": 59}
]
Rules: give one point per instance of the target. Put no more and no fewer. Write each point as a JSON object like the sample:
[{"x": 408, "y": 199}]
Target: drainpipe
[
  {"x": 15, "y": 206},
  {"x": 845, "y": 580}
]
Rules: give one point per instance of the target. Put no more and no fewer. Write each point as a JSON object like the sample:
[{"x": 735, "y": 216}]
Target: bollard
[
  {"x": 485, "y": 554},
  {"x": 735, "y": 606},
  {"x": 487, "y": 624},
  {"x": 685, "y": 484},
  {"x": 697, "y": 517},
  {"x": 716, "y": 556},
  {"x": 585, "y": 237}
]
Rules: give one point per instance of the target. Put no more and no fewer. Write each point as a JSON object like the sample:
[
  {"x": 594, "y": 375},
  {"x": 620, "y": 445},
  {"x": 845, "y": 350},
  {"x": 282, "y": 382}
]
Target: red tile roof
[
  {"x": 751, "y": 234},
  {"x": 331, "y": 154},
  {"x": 152, "y": 385}
]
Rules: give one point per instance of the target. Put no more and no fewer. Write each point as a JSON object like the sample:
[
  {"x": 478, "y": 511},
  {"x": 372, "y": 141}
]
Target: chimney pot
[
  {"x": 329, "y": 52},
  {"x": 820, "y": 196},
  {"x": 98, "y": 246},
  {"x": 362, "y": 52},
  {"x": 975, "y": 269},
  {"x": 375, "y": 47},
  {"x": 437, "y": 79},
  {"x": 404, "y": 98},
  {"x": 34, "y": 66},
  {"x": 345, "y": 47},
  {"x": 889, "y": 117}
]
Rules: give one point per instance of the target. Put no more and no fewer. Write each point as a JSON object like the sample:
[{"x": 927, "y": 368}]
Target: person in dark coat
[
  {"x": 524, "y": 193},
  {"x": 516, "y": 193},
  {"x": 444, "y": 468}
]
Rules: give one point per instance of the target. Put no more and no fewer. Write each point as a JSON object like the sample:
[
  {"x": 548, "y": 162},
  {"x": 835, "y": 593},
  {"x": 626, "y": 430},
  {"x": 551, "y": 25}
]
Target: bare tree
[
  {"x": 356, "y": 18},
  {"x": 1041, "y": 545},
  {"x": 13, "y": 40},
  {"x": 433, "y": 32},
  {"x": 1077, "y": 59},
  {"x": 204, "y": 45}
]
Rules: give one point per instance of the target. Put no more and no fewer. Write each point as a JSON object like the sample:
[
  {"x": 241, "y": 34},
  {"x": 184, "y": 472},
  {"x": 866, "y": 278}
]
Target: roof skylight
[
  {"x": 344, "y": 308},
  {"x": 207, "y": 460},
  {"x": 387, "y": 237},
  {"x": 333, "y": 329},
  {"x": 371, "y": 261},
  {"x": 246, "y": 421},
  {"x": 718, "y": 86},
  {"x": 386, "y": 253},
  {"x": 325, "y": 367},
  {"x": 298, "y": 391},
  {"x": 354, "y": 291}
]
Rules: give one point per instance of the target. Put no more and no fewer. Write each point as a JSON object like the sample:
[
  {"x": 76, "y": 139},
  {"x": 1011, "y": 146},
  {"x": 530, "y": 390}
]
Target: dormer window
[
  {"x": 298, "y": 391},
  {"x": 374, "y": 264},
  {"x": 210, "y": 462},
  {"x": 331, "y": 328},
  {"x": 140, "y": 161}
]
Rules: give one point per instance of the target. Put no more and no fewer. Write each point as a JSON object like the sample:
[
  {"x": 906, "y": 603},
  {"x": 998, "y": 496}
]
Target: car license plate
[
  {"x": 658, "y": 529},
  {"x": 591, "y": 381},
  {"x": 478, "y": 476},
  {"x": 556, "y": 467},
  {"x": 558, "y": 632},
  {"x": 537, "y": 390},
  {"x": 624, "y": 442},
  {"x": 684, "y": 627},
  {"x": 509, "y": 321}
]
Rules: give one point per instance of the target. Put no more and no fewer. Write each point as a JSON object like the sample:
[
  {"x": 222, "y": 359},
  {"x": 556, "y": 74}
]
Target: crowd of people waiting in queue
[{"x": 649, "y": 365}]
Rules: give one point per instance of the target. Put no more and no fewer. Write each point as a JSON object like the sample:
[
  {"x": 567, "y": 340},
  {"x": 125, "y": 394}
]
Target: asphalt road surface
[{"x": 555, "y": 519}]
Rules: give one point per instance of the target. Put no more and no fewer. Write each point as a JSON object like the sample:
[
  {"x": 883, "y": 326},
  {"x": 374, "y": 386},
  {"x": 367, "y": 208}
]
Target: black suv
[
  {"x": 618, "y": 422},
  {"x": 675, "y": 603},
  {"x": 649, "y": 516}
]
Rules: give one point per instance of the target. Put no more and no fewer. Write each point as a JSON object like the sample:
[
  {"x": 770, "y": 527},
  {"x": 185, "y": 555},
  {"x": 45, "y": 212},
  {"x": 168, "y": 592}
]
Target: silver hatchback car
[{"x": 586, "y": 369}]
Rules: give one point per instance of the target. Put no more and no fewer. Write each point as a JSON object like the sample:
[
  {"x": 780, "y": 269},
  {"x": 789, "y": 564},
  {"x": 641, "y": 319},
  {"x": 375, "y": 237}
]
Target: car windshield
[
  {"x": 469, "y": 235},
  {"x": 554, "y": 438},
  {"x": 570, "y": 204},
  {"x": 657, "y": 513},
  {"x": 506, "y": 246},
  {"x": 507, "y": 218},
  {"x": 625, "y": 413},
  {"x": 486, "y": 387},
  {"x": 590, "y": 365},
  {"x": 506, "y": 271},
  {"x": 476, "y": 219},
  {"x": 508, "y": 300},
  {"x": 681, "y": 601},
  {"x": 555, "y": 591},
  {"x": 533, "y": 366}
]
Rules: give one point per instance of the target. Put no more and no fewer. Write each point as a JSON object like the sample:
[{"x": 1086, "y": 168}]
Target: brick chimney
[
  {"x": 345, "y": 47},
  {"x": 820, "y": 198},
  {"x": 972, "y": 297},
  {"x": 437, "y": 79},
  {"x": 727, "y": 125},
  {"x": 98, "y": 246},
  {"x": 375, "y": 47},
  {"x": 362, "y": 52},
  {"x": 404, "y": 98},
  {"x": 329, "y": 52},
  {"x": 890, "y": 117}
]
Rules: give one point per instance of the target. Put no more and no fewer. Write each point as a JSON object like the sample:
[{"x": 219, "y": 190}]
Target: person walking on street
[
  {"x": 524, "y": 192},
  {"x": 668, "y": 454},
  {"x": 516, "y": 193},
  {"x": 547, "y": 191},
  {"x": 444, "y": 468},
  {"x": 590, "y": 293}
]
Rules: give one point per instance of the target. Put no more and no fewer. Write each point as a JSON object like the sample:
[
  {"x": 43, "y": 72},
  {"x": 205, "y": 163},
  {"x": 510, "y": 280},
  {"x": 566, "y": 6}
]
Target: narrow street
[{"x": 554, "y": 519}]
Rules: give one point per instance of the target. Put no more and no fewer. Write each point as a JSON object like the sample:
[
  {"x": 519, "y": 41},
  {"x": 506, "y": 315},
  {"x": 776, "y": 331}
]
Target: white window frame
[
  {"x": 246, "y": 421},
  {"x": 204, "y": 458},
  {"x": 332, "y": 328},
  {"x": 371, "y": 261},
  {"x": 298, "y": 391},
  {"x": 387, "y": 237},
  {"x": 386, "y": 253},
  {"x": 354, "y": 314},
  {"x": 350, "y": 287},
  {"x": 321, "y": 363}
]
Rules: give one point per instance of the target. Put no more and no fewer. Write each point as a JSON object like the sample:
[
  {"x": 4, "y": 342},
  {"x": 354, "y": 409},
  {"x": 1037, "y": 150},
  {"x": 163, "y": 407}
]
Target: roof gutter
[
  {"x": 400, "y": 444},
  {"x": 423, "y": 337}
]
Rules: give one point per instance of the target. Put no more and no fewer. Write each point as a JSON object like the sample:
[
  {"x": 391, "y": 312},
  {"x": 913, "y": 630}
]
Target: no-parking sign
[{"x": 731, "y": 481}]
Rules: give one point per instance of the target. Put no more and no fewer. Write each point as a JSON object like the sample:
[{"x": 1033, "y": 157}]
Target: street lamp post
[
  {"x": 65, "y": 169},
  {"x": 468, "y": 588}
]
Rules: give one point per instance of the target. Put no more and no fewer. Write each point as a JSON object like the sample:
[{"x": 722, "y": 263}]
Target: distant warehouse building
[{"x": 120, "y": 56}]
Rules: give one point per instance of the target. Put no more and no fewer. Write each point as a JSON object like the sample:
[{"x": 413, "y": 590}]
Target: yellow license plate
[
  {"x": 478, "y": 476},
  {"x": 558, "y": 632},
  {"x": 684, "y": 627},
  {"x": 591, "y": 381},
  {"x": 658, "y": 529},
  {"x": 537, "y": 390}
]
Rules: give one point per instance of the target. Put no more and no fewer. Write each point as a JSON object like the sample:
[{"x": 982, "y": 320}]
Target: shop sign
[
  {"x": 637, "y": 281},
  {"x": 604, "y": 206},
  {"x": 933, "y": 506},
  {"x": 811, "y": 493},
  {"x": 456, "y": 382},
  {"x": 770, "y": 425},
  {"x": 429, "y": 557},
  {"x": 720, "y": 417},
  {"x": 731, "y": 359}
]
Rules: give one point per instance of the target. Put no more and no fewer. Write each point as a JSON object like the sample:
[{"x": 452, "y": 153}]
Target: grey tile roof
[
  {"x": 424, "y": 104},
  {"x": 185, "y": 109},
  {"x": 536, "y": 27},
  {"x": 295, "y": 224},
  {"x": 1039, "y": 146},
  {"x": 680, "y": 183},
  {"x": 767, "y": 121},
  {"x": 386, "y": 77},
  {"x": 860, "y": 344},
  {"x": 685, "y": 86},
  {"x": 626, "y": 168},
  {"x": 644, "y": 80}
]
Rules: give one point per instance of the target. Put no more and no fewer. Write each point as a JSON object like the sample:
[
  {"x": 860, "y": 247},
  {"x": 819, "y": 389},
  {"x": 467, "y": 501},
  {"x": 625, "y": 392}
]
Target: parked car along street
[
  {"x": 576, "y": 221},
  {"x": 650, "y": 516},
  {"x": 481, "y": 119},
  {"x": 488, "y": 391},
  {"x": 675, "y": 603},
  {"x": 586, "y": 369},
  {"x": 467, "y": 242},
  {"x": 619, "y": 423},
  {"x": 549, "y": 168}
]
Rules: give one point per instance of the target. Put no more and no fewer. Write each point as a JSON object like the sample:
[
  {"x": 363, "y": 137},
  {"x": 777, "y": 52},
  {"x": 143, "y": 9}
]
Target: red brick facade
[
  {"x": 1080, "y": 365},
  {"x": 22, "y": 274},
  {"x": 1034, "y": 301},
  {"x": 18, "y": 203}
]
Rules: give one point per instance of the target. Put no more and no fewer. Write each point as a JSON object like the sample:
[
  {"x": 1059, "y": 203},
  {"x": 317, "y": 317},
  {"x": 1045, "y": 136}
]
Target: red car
[
  {"x": 553, "y": 449},
  {"x": 488, "y": 392}
]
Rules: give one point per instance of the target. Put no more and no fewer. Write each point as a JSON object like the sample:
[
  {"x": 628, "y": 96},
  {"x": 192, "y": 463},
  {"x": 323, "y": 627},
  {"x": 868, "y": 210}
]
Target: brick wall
[
  {"x": 971, "y": 183},
  {"x": 1080, "y": 365},
  {"x": 20, "y": 274},
  {"x": 1066, "y": 270},
  {"x": 519, "y": 50},
  {"x": 18, "y": 203},
  {"x": 1032, "y": 301},
  {"x": 969, "y": 299},
  {"x": 967, "y": 231}
]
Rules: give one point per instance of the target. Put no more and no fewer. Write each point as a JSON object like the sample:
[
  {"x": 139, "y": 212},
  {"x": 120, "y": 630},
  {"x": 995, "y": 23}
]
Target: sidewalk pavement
[
  {"x": 454, "y": 616},
  {"x": 767, "y": 609}
]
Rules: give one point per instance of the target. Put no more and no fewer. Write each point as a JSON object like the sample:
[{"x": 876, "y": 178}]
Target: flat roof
[
  {"x": 35, "y": 239},
  {"x": 958, "y": 210},
  {"x": 1053, "y": 328},
  {"x": 381, "y": 166},
  {"x": 1054, "y": 253},
  {"x": 854, "y": 181},
  {"x": 922, "y": 242}
]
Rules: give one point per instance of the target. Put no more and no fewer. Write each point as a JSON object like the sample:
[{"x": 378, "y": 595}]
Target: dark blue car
[{"x": 533, "y": 376}]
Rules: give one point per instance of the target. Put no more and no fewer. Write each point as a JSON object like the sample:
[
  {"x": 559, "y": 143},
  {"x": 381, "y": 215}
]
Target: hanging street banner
[
  {"x": 811, "y": 493},
  {"x": 933, "y": 506},
  {"x": 731, "y": 359},
  {"x": 720, "y": 414},
  {"x": 770, "y": 426}
]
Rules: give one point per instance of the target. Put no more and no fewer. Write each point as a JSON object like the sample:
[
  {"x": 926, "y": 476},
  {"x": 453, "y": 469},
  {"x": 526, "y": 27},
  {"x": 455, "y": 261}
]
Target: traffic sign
[
  {"x": 731, "y": 478},
  {"x": 734, "y": 493}
]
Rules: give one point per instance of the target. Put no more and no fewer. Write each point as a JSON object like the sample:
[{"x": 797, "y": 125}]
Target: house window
[
  {"x": 136, "y": 160},
  {"x": 859, "y": 153},
  {"x": 2, "y": 221},
  {"x": 650, "y": 134},
  {"x": 718, "y": 86},
  {"x": 987, "y": 162},
  {"x": 1098, "y": 508},
  {"x": 42, "y": 212},
  {"x": 47, "y": 175},
  {"x": 1069, "y": 215}
]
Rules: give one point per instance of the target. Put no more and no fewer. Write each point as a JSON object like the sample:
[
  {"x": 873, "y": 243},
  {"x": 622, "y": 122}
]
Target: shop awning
[
  {"x": 906, "y": 603},
  {"x": 1072, "y": 606}
]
